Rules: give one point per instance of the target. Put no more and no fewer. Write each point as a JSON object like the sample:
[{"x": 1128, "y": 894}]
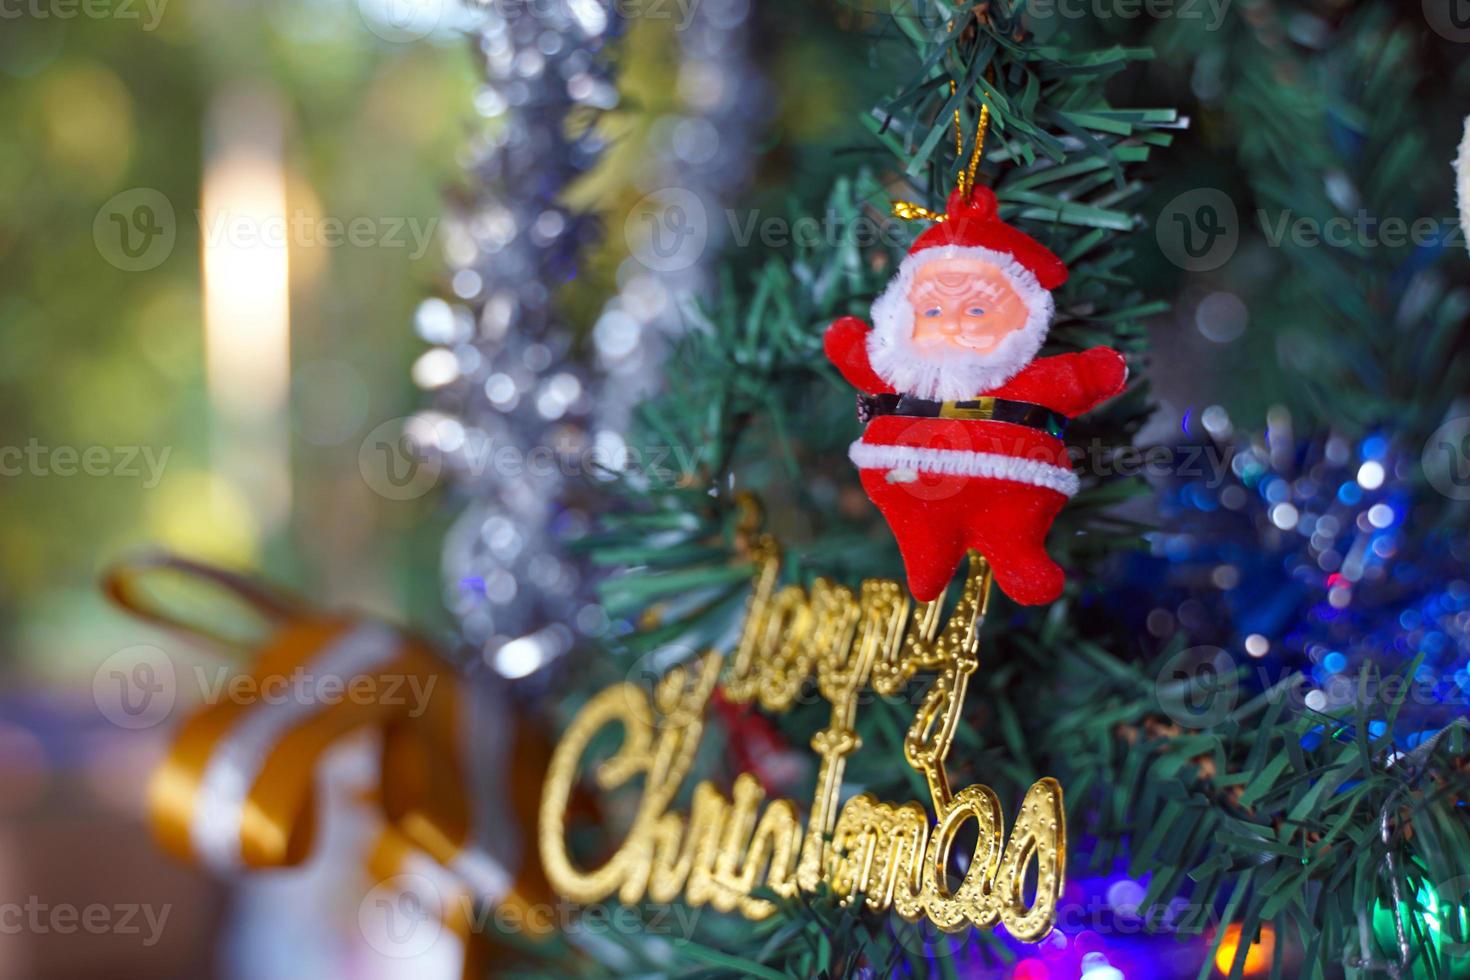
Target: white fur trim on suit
[
  {"x": 898, "y": 361},
  {"x": 958, "y": 462}
]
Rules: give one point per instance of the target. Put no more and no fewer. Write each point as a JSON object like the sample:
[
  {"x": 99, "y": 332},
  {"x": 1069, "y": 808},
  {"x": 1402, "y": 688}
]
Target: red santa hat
[
  {"x": 972, "y": 221},
  {"x": 970, "y": 229}
]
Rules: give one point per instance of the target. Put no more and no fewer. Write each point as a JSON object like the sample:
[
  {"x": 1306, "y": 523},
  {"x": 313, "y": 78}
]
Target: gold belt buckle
[{"x": 981, "y": 409}]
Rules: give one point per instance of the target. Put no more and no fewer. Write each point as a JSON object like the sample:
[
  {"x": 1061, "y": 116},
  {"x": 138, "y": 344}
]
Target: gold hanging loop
[
  {"x": 909, "y": 211},
  {"x": 965, "y": 179}
]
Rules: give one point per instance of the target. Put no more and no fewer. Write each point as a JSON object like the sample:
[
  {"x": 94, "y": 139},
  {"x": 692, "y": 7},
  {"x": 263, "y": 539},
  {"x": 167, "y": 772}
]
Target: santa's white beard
[{"x": 947, "y": 372}]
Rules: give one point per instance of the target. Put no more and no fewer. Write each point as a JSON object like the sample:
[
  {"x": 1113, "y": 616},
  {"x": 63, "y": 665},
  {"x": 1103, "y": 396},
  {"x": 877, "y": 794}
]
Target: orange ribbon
[{"x": 237, "y": 790}]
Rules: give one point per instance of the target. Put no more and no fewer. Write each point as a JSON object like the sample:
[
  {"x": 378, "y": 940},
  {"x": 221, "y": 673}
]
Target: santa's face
[
  {"x": 957, "y": 321},
  {"x": 964, "y": 304}
]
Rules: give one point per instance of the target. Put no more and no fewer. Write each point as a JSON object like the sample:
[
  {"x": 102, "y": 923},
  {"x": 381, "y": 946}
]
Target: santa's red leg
[
  {"x": 1008, "y": 525},
  {"x": 930, "y": 531}
]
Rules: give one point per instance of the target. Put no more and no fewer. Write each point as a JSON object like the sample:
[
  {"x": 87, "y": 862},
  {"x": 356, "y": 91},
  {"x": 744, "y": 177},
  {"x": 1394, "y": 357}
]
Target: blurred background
[
  {"x": 194, "y": 348},
  {"x": 223, "y": 226},
  {"x": 217, "y": 222}
]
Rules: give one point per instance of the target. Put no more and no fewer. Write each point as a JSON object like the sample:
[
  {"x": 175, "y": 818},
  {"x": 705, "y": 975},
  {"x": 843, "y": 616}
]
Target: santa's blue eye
[
  {"x": 975, "y": 311},
  {"x": 932, "y": 311}
]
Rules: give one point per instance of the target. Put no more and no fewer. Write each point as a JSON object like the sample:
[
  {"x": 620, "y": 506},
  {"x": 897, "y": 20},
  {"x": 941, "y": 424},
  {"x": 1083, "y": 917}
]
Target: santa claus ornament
[{"x": 962, "y": 443}]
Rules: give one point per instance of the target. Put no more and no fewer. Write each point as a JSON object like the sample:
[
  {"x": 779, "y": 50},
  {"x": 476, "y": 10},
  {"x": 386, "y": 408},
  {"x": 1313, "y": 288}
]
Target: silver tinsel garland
[
  {"x": 701, "y": 159},
  {"x": 511, "y": 421}
]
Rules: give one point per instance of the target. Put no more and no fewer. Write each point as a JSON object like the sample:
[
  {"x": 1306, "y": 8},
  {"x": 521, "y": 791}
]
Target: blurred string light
[
  {"x": 1258, "y": 955},
  {"x": 1104, "y": 932},
  {"x": 1221, "y": 317},
  {"x": 1447, "y": 921},
  {"x": 247, "y": 317},
  {"x": 513, "y": 418},
  {"x": 1095, "y": 966},
  {"x": 1307, "y": 555}
]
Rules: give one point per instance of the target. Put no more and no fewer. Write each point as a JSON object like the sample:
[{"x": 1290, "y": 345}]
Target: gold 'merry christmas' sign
[{"x": 893, "y": 854}]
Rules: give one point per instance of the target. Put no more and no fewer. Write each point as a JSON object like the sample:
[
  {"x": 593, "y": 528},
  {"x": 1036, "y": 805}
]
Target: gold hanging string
[
  {"x": 968, "y": 182},
  {"x": 959, "y": 138},
  {"x": 965, "y": 179}
]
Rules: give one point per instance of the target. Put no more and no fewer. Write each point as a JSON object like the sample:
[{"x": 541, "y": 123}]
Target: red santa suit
[{"x": 971, "y": 458}]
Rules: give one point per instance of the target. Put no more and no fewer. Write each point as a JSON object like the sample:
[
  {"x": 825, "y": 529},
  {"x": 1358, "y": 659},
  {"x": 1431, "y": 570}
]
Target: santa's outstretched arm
[
  {"x": 846, "y": 343},
  {"x": 1095, "y": 375}
]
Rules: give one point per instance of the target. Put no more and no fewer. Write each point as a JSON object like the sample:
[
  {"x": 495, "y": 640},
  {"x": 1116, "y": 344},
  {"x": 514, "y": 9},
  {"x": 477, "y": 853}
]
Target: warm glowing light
[
  {"x": 1257, "y": 958},
  {"x": 247, "y": 319}
]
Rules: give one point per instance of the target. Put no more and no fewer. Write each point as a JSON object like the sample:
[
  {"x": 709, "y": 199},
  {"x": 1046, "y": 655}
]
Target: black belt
[{"x": 987, "y": 409}]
